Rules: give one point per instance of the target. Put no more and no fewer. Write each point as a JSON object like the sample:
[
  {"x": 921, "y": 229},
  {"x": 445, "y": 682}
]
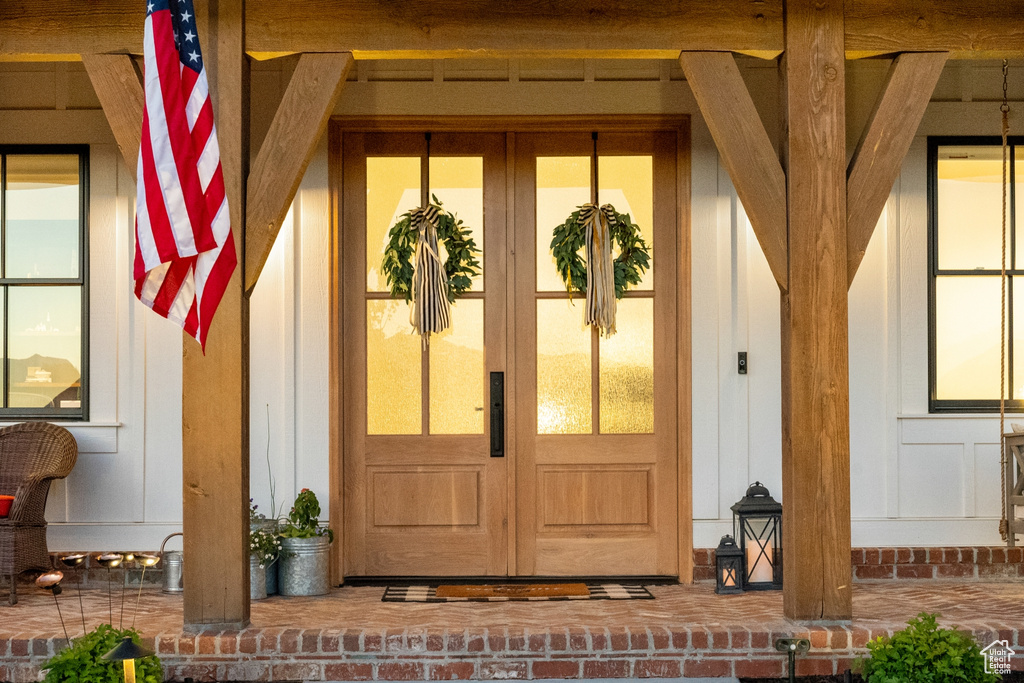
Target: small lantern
[
  {"x": 728, "y": 567},
  {"x": 757, "y": 523},
  {"x": 127, "y": 652}
]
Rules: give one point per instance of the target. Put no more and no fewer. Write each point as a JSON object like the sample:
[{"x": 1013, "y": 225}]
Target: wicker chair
[{"x": 31, "y": 455}]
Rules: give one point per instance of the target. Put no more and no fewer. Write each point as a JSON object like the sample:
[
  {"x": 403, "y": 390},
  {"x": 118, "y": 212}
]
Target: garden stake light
[
  {"x": 75, "y": 561},
  {"x": 126, "y": 653},
  {"x": 145, "y": 561},
  {"x": 792, "y": 646},
  {"x": 51, "y": 581},
  {"x": 110, "y": 560},
  {"x": 128, "y": 557}
]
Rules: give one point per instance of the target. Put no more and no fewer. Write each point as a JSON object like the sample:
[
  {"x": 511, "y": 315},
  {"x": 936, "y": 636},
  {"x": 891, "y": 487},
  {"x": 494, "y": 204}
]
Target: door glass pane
[
  {"x": 969, "y": 205},
  {"x": 563, "y": 183},
  {"x": 45, "y": 347},
  {"x": 563, "y": 369},
  {"x": 43, "y": 211},
  {"x": 627, "y": 183},
  {"x": 459, "y": 183},
  {"x": 393, "y": 370},
  {"x": 967, "y": 337},
  {"x": 392, "y": 188},
  {"x": 457, "y": 372},
  {"x": 627, "y": 370}
]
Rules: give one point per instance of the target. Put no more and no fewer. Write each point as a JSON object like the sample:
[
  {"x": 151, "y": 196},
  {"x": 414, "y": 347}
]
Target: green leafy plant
[
  {"x": 923, "y": 652},
  {"x": 264, "y": 546},
  {"x": 83, "y": 662},
  {"x": 303, "y": 520}
]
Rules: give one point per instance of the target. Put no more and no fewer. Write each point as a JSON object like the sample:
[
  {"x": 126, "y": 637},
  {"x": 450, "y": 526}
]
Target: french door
[{"x": 579, "y": 476}]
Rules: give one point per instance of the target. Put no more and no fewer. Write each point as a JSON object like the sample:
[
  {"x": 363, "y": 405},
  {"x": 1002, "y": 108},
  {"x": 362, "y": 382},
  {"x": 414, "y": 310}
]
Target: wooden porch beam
[
  {"x": 883, "y": 145},
  {"x": 298, "y": 125},
  {"x": 215, "y": 386},
  {"x": 425, "y": 29},
  {"x": 118, "y": 86},
  {"x": 746, "y": 151},
  {"x": 815, "y": 346}
]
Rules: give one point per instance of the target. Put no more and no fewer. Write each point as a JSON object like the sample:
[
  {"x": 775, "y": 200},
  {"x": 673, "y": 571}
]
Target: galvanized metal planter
[
  {"x": 269, "y": 525},
  {"x": 257, "y": 580},
  {"x": 304, "y": 566}
]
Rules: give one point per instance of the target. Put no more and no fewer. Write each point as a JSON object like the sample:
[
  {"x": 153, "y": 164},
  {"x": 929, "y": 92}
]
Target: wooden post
[
  {"x": 215, "y": 387},
  {"x": 815, "y": 360}
]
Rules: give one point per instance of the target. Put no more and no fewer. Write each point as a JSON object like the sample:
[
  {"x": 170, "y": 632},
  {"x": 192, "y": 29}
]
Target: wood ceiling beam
[
  {"x": 118, "y": 86},
  {"x": 883, "y": 145},
  {"x": 424, "y": 29},
  {"x": 745, "y": 150},
  {"x": 298, "y": 125}
]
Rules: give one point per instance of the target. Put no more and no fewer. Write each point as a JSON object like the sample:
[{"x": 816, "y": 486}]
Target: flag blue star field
[{"x": 184, "y": 249}]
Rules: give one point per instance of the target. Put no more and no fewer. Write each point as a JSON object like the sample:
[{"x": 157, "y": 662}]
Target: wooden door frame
[{"x": 680, "y": 124}]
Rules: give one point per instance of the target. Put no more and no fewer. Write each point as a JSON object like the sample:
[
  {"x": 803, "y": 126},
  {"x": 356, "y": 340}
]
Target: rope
[{"x": 1003, "y": 523}]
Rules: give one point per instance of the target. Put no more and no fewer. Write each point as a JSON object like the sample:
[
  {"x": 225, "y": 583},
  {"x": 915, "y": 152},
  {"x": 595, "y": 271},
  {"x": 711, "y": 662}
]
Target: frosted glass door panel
[
  {"x": 563, "y": 369},
  {"x": 627, "y": 370},
  {"x": 457, "y": 372},
  {"x": 563, "y": 184},
  {"x": 392, "y": 188},
  {"x": 393, "y": 370},
  {"x": 627, "y": 183}
]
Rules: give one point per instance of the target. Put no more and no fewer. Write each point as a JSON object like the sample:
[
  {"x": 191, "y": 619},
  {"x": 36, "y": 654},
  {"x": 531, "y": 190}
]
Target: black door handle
[{"x": 497, "y": 414}]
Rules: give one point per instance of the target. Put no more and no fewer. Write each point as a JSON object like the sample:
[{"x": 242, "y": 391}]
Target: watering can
[{"x": 172, "y": 561}]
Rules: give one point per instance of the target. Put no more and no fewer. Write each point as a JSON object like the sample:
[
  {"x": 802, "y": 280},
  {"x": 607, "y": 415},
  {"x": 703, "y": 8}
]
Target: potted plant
[
  {"x": 83, "y": 660},
  {"x": 260, "y": 522},
  {"x": 264, "y": 548},
  {"x": 925, "y": 653},
  {"x": 304, "y": 562}
]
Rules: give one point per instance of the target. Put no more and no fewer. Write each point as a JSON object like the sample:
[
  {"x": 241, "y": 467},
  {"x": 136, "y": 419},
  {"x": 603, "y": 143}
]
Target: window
[
  {"x": 43, "y": 282},
  {"x": 965, "y": 246}
]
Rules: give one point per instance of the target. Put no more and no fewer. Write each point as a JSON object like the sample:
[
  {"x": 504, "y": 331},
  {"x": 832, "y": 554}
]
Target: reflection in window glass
[
  {"x": 967, "y": 337},
  {"x": 458, "y": 182},
  {"x": 392, "y": 188},
  {"x": 627, "y": 183},
  {"x": 42, "y": 215},
  {"x": 563, "y": 184},
  {"x": 563, "y": 369},
  {"x": 627, "y": 370},
  {"x": 457, "y": 372},
  {"x": 393, "y": 370},
  {"x": 45, "y": 347}
]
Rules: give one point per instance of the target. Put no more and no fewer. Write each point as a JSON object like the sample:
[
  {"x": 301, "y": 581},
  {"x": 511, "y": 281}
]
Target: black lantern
[
  {"x": 757, "y": 525},
  {"x": 728, "y": 567}
]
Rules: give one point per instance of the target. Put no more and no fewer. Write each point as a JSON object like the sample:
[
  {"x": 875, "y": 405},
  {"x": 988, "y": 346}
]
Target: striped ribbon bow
[
  {"x": 598, "y": 223},
  {"x": 431, "y": 313}
]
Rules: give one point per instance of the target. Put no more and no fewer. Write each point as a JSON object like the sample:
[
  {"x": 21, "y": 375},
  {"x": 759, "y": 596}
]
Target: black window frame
[
  {"x": 936, "y": 405},
  {"x": 80, "y": 414}
]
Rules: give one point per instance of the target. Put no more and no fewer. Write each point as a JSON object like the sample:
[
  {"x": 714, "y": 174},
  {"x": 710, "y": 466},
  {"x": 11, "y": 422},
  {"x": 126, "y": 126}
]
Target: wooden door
[
  {"x": 596, "y": 434},
  {"x": 422, "y": 496}
]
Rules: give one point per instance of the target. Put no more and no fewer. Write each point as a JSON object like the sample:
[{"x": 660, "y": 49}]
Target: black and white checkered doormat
[{"x": 598, "y": 591}]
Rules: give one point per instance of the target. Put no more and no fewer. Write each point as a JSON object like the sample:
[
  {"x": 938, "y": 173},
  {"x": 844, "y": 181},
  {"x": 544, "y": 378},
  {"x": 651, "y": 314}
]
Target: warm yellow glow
[
  {"x": 457, "y": 372},
  {"x": 129, "y": 671},
  {"x": 563, "y": 369},
  {"x": 967, "y": 337},
  {"x": 459, "y": 183},
  {"x": 563, "y": 183},
  {"x": 627, "y": 183},
  {"x": 393, "y": 370},
  {"x": 969, "y": 206},
  {"x": 392, "y": 188},
  {"x": 627, "y": 370}
]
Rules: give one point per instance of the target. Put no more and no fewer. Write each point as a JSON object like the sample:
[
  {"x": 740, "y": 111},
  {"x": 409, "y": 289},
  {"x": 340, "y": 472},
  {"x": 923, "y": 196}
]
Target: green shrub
[
  {"x": 925, "y": 653},
  {"x": 83, "y": 663}
]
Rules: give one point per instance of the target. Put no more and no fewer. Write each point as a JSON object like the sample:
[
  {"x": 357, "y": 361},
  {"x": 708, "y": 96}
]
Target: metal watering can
[{"x": 172, "y": 561}]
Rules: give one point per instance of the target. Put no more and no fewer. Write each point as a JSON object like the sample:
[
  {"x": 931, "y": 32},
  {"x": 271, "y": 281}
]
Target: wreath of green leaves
[
  {"x": 463, "y": 255},
  {"x": 632, "y": 262}
]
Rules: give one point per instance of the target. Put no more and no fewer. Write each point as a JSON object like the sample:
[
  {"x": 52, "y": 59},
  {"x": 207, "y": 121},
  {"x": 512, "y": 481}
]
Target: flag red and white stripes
[{"x": 184, "y": 249}]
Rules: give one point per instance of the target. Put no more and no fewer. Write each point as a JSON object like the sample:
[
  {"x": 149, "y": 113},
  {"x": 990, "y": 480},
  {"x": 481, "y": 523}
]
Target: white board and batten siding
[{"x": 917, "y": 479}]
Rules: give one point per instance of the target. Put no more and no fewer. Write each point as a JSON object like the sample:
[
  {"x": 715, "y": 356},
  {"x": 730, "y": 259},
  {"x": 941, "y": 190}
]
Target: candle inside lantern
[
  {"x": 729, "y": 577},
  {"x": 759, "y": 561}
]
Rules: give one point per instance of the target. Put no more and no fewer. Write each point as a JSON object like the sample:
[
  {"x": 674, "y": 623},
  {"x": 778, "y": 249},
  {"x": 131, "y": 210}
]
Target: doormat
[{"x": 539, "y": 592}]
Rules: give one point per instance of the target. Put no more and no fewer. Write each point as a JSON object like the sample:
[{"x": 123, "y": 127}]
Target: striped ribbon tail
[
  {"x": 600, "y": 310},
  {"x": 431, "y": 312}
]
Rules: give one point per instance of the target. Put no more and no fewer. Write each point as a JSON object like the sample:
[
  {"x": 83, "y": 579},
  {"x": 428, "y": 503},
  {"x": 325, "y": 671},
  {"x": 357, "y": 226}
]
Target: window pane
[
  {"x": 563, "y": 369},
  {"x": 457, "y": 372},
  {"x": 459, "y": 183},
  {"x": 563, "y": 183},
  {"x": 45, "y": 347},
  {"x": 970, "y": 201},
  {"x": 43, "y": 213},
  {"x": 627, "y": 370},
  {"x": 627, "y": 183},
  {"x": 393, "y": 370},
  {"x": 1018, "y": 192},
  {"x": 967, "y": 338},
  {"x": 392, "y": 188}
]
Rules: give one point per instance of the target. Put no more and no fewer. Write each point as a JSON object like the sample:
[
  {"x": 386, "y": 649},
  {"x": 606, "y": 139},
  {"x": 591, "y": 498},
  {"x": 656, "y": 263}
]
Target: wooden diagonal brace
[
  {"x": 883, "y": 145},
  {"x": 298, "y": 125},
  {"x": 119, "y": 88},
  {"x": 746, "y": 151}
]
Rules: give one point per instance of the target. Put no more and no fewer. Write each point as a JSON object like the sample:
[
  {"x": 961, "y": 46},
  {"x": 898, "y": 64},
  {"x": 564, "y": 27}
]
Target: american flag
[{"x": 184, "y": 249}]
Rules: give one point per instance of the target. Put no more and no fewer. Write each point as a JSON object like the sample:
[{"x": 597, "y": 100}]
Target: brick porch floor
[{"x": 351, "y": 635}]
